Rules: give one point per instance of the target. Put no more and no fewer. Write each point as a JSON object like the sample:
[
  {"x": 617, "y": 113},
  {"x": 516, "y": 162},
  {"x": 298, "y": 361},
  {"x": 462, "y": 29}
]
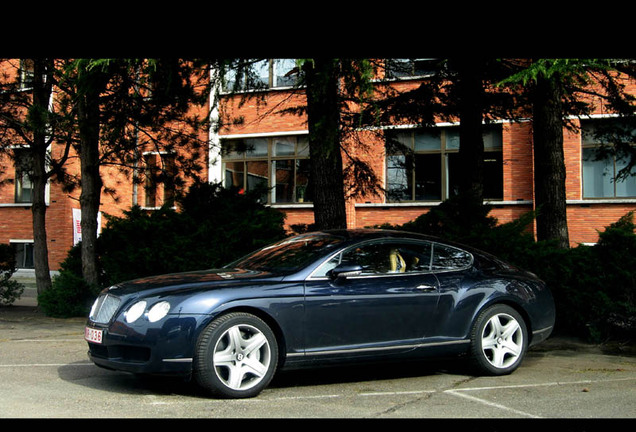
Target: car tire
[
  {"x": 236, "y": 356},
  {"x": 499, "y": 341}
]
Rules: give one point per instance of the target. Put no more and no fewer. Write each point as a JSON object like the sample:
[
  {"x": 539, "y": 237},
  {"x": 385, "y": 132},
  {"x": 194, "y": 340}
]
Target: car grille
[{"x": 105, "y": 307}]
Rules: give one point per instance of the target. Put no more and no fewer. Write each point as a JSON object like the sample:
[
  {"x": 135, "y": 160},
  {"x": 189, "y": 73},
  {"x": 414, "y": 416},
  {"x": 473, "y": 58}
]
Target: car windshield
[{"x": 289, "y": 255}]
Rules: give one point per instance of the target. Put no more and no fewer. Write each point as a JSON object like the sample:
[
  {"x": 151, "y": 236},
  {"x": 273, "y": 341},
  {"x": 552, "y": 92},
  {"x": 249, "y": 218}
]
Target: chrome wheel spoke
[
  {"x": 502, "y": 340},
  {"x": 242, "y": 357}
]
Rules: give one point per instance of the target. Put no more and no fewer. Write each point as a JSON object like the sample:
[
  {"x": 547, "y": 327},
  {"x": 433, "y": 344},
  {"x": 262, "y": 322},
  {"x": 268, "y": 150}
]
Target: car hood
[{"x": 204, "y": 279}]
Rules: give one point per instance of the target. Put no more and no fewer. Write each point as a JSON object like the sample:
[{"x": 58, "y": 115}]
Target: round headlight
[
  {"x": 158, "y": 311},
  {"x": 135, "y": 311}
]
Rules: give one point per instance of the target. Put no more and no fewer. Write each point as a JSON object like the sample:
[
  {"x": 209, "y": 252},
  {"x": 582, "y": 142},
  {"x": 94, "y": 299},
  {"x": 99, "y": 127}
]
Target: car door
[{"x": 386, "y": 307}]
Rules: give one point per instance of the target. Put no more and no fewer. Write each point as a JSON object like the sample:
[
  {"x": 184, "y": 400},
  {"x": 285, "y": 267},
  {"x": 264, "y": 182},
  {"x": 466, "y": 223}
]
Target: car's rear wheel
[
  {"x": 236, "y": 356},
  {"x": 499, "y": 340}
]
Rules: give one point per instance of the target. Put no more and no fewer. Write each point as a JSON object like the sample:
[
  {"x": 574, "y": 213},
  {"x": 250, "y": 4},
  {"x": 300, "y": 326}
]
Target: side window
[
  {"x": 373, "y": 258},
  {"x": 384, "y": 258},
  {"x": 450, "y": 258}
]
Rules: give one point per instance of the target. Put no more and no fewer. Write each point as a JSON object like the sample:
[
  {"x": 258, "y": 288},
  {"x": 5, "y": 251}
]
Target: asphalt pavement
[{"x": 45, "y": 373}]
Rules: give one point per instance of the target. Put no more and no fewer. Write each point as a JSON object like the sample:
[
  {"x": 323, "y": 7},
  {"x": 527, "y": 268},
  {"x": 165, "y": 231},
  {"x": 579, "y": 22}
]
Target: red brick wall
[{"x": 585, "y": 218}]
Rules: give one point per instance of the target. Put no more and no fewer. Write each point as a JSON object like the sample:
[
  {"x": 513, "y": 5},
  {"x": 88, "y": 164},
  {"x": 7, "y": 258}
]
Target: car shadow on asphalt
[
  {"x": 96, "y": 378},
  {"x": 376, "y": 371}
]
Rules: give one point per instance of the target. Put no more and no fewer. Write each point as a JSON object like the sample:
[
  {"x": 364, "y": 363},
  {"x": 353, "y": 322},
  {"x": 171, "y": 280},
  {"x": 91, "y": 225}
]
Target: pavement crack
[{"x": 399, "y": 406}]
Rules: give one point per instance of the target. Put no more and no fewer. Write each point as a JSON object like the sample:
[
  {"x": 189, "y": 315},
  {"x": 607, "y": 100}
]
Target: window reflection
[{"x": 422, "y": 165}]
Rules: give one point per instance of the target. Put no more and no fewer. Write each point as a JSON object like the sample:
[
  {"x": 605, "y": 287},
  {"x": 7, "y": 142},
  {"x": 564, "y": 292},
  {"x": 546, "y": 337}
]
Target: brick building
[{"x": 277, "y": 157}]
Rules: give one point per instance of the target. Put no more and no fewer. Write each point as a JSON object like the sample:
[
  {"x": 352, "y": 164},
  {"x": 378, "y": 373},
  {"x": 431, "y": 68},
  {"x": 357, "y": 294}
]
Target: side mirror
[{"x": 345, "y": 270}]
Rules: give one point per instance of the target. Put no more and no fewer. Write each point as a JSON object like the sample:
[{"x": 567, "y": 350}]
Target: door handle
[{"x": 426, "y": 288}]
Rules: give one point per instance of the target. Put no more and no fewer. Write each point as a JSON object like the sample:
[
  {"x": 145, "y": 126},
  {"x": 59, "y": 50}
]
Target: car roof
[{"x": 371, "y": 233}]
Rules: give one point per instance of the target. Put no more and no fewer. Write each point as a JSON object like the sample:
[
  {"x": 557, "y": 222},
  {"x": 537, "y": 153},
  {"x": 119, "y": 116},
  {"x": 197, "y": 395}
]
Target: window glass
[
  {"x": 234, "y": 174},
  {"x": 285, "y": 73},
  {"x": 256, "y": 174},
  {"x": 384, "y": 258},
  {"x": 303, "y": 191},
  {"x": 428, "y": 177},
  {"x": 625, "y": 186},
  {"x": 303, "y": 146},
  {"x": 256, "y": 147},
  {"x": 290, "y": 254},
  {"x": 277, "y": 167},
  {"x": 493, "y": 138},
  {"x": 26, "y": 73},
  {"x": 159, "y": 186},
  {"x": 420, "y": 168},
  {"x": 283, "y": 180},
  {"x": 261, "y": 71},
  {"x": 452, "y": 138},
  {"x": 450, "y": 258},
  {"x": 23, "y": 255},
  {"x": 23, "y": 169},
  {"x": 396, "y": 68},
  {"x": 602, "y": 176},
  {"x": 399, "y": 177},
  {"x": 427, "y": 140},
  {"x": 284, "y": 146},
  {"x": 597, "y": 175}
]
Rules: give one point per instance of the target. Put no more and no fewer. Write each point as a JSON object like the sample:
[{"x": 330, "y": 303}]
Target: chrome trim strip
[
  {"x": 179, "y": 360},
  {"x": 543, "y": 330},
  {"x": 385, "y": 348}
]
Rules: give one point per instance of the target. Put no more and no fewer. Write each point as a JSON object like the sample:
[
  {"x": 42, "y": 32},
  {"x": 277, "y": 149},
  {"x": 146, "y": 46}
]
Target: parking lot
[{"x": 45, "y": 373}]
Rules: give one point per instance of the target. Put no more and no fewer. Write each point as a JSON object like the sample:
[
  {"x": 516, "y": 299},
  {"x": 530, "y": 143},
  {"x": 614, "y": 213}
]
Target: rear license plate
[{"x": 93, "y": 335}]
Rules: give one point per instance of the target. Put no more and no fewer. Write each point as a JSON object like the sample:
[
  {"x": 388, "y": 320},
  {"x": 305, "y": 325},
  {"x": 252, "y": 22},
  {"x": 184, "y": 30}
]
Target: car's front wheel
[
  {"x": 236, "y": 356},
  {"x": 499, "y": 340}
]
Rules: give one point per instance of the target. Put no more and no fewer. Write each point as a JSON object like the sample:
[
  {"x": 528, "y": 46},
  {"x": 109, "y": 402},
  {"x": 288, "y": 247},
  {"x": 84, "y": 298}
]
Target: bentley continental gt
[{"x": 322, "y": 298}]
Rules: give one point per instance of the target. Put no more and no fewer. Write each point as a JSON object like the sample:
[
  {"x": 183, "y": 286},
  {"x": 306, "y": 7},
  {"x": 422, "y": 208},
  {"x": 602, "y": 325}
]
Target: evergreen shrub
[
  {"x": 10, "y": 290},
  {"x": 594, "y": 287},
  {"x": 69, "y": 296},
  {"x": 214, "y": 227}
]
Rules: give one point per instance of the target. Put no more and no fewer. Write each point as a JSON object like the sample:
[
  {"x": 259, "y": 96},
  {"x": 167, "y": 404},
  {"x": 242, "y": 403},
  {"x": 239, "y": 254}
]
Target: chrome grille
[{"x": 105, "y": 307}]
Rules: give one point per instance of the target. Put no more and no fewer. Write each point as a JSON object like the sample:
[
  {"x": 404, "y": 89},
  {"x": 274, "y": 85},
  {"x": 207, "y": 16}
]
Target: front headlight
[
  {"x": 158, "y": 311},
  {"x": 135, "y": 311}
]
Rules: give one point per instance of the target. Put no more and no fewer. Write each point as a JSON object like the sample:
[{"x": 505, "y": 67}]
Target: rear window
[{"x": 450, "y": 258}]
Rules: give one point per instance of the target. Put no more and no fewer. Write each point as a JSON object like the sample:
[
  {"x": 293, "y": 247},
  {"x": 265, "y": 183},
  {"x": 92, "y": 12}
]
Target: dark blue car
[{"x": 321, "y": 298}]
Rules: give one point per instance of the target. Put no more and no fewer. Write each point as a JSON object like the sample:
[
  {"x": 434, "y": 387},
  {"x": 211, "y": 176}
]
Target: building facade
[
  {"x": 270, "y": 149},
  {"x": 277, "y": 155}
]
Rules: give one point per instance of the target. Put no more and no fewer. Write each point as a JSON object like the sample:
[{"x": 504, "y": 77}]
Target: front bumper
[{"x": 164, "y": 347}]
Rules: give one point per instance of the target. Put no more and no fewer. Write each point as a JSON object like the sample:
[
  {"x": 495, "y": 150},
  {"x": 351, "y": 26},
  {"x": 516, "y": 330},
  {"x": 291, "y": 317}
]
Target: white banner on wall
[{"x": 77, "y": 225}]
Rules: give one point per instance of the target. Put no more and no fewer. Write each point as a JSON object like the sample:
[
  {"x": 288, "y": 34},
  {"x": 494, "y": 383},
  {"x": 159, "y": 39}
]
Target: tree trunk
[
  {"x": 549, "y": 163},
  {"x": 38, "y": 119},
  {"x": 326, "y": 173},
  {"x": 91, "y": 182},
  {"x": 471, "y": 149}
]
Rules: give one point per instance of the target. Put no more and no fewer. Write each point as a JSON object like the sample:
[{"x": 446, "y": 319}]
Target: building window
[
  {"x": 277, "y": 168},
  {"x": 26, "y": 74},
  {"x": 409, "y": 68},
  {"x": 422, "y": 164},
  {"x": 23, "y": 169},
  {"x": 603, "y": 169},
  {"x": 261, "y": 74},
  {"x": 23, "y": 254},
  {"x": 159, "y": 179}
]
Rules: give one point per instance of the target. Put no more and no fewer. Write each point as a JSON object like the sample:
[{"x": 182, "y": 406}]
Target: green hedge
[
  {"x": 594, "y": 286},
  {"x": 215, "y": 227},
  {"x": 10, "y": 290}
]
